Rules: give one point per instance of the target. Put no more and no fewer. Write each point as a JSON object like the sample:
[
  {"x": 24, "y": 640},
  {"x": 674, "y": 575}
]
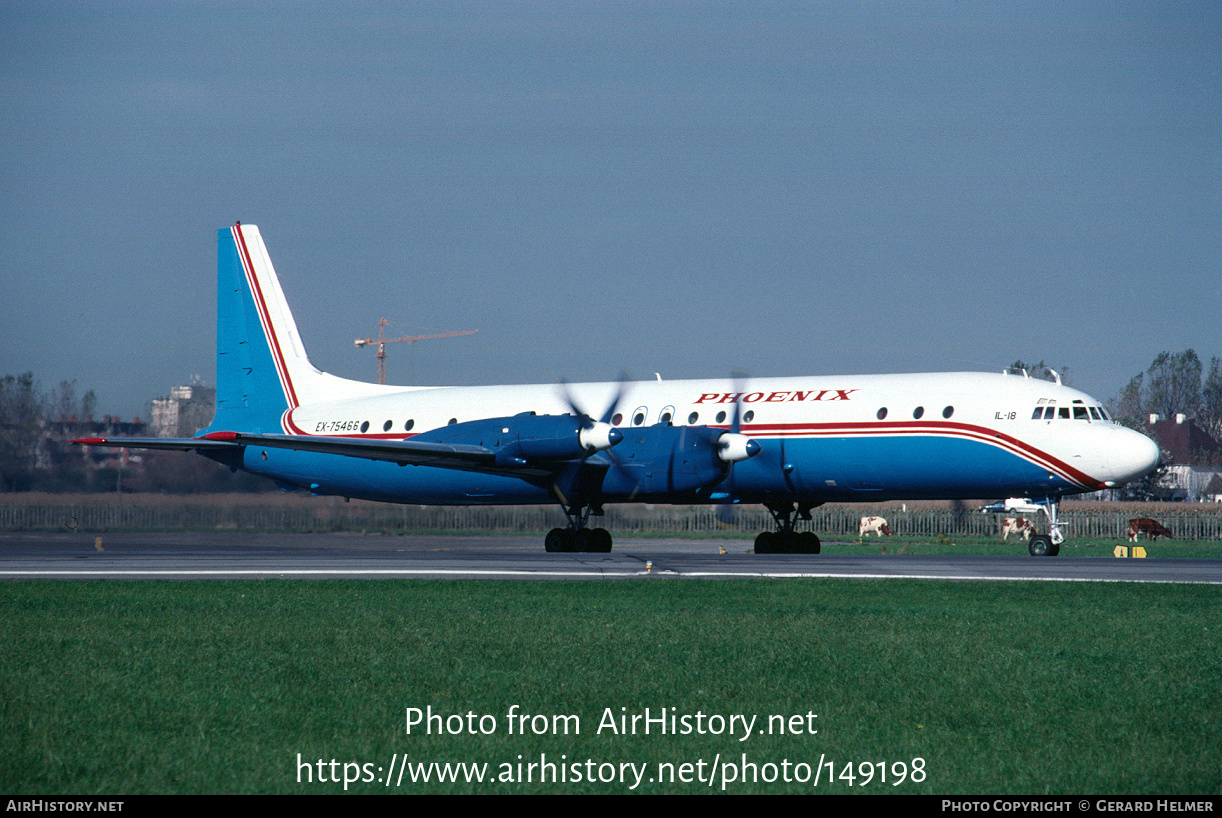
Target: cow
[
  {"x": 873, "y": 525},
  {"x": 1016, "y": 525},
  {"x": 1151, "y": 528}
]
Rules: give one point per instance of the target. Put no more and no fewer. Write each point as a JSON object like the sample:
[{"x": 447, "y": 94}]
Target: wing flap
[
  {"x": 462, "y": 456},
  {"x": 406, "y": 452}
]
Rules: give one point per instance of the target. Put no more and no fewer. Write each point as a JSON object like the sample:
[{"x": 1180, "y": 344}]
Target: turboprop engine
[
  {"x": 527, "y": 438},
  {"x": 666, "y": 459}
]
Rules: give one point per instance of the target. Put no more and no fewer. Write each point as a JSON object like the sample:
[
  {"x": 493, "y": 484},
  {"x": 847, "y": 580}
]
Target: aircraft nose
[{"x": 1133, "y": 455}]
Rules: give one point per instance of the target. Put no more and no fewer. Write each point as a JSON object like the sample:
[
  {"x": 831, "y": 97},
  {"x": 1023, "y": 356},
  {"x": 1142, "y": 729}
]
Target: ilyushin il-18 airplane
[{"x": 789, "y": 443}]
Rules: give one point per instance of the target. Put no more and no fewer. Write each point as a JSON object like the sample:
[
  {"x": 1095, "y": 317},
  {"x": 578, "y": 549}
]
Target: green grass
[{"x": 1023, "y": 688}]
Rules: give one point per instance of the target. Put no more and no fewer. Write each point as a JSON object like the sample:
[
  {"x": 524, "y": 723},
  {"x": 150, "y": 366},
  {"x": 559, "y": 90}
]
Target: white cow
[
  {"x": 873, "y": 525},
  {"x": 1016, "y": 525}
]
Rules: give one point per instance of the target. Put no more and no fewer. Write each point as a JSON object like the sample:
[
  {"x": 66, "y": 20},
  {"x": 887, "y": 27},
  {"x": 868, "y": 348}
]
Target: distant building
[
  {"x": 187, "y": 410},
  {"x": 1212, "y": 493},
  {"x": 1195, "y": 456}
]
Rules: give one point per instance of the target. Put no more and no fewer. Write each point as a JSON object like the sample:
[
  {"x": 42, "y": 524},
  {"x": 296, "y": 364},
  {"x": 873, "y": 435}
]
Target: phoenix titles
[{"x": 775, "y": 397}]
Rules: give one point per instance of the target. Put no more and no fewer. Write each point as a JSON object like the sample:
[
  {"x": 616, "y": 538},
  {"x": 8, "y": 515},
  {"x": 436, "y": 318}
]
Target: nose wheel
[{"x": 1041, "y": 545}]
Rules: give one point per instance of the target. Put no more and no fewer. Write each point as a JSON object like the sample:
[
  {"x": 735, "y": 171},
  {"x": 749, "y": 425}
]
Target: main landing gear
[
  {"x": 577, "y": 537},
  {"x": 785, "y": 540}
]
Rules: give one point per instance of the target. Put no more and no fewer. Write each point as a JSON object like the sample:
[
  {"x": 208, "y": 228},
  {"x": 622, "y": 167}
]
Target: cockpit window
[{"x": 1080, "y": 412}]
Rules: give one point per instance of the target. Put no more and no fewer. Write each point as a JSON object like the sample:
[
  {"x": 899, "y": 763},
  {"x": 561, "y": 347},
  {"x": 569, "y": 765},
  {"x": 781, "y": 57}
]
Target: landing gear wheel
[
  {"x": 1041, "y": 545},
  {"x": 581, "y": 540},
  {"x": 766, "y": 543},
  {"x": 600, "y": 541},
  {"x": 808, "y": 543},
  {"x": 557, "y": 539}
]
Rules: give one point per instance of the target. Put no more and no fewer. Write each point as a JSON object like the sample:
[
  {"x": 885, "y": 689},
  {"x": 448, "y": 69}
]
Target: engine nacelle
[
  {"x": 665, "y": 460},
  {"x": 735, "y": 447},
  {"x": 522, "y": 439}
]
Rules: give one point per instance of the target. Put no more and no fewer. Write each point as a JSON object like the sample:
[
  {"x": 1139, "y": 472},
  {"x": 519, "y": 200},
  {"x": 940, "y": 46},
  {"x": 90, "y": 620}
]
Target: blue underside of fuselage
[{"x": 856, "y": 469}]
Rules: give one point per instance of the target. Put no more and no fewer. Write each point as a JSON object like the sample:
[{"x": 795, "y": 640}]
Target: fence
[{"x": 266, "y": 512}]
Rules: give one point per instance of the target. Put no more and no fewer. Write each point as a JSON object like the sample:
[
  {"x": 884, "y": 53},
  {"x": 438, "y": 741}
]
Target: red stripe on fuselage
[{"x": 938, "y": 428}]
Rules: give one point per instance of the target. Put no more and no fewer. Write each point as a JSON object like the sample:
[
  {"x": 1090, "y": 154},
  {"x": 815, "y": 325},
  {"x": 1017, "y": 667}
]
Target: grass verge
[{"x": 216, "y": 687}]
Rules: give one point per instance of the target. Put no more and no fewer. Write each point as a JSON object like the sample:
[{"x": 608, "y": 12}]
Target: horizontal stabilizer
[{"x": 179, "y": 444}]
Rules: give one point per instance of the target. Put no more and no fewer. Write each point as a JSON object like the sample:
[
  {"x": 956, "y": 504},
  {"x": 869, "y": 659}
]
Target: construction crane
[{"x": 382, "y": 341}]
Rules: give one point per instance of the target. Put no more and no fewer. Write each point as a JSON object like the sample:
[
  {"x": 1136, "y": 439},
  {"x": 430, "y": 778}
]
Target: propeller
[
  {"x": 597, "y": 435},
  {"x": 735, "y": 446}
]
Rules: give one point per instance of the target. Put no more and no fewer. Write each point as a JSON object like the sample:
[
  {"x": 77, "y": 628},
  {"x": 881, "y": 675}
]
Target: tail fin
[{"x": 262, "y": 371}]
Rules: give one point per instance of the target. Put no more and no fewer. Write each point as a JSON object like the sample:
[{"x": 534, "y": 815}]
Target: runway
[{"x": 232, "y": 555}]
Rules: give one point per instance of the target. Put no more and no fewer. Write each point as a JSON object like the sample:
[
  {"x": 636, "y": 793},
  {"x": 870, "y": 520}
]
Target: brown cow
[
  {"x": 1016, "y": 525},
  {"x": 873, "y": 525},
  {"x": 1151, "y": 528}
]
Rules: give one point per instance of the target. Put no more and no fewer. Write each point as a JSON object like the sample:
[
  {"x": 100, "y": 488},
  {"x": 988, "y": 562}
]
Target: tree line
[
  {"x": 25, "y": 411},
  {"x": 36, "y": 430},
  {"x": 1175, "y": 384}
]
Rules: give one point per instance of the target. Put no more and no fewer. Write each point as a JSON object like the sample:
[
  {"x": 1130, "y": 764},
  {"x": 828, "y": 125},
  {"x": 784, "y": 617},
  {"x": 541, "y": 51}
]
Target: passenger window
[
  {"x": 618, "y": 419},
  {"x": 917, "y": 412},
  {"x": 948, "y": 411},
  {"x": 386, "y": 426},
  {"x": 750, "y": 416},
  {"x": 721, "y": 417},
  {"x": 407, "y": 427},
  {"x": 882, "y": 413},
  {"x": 668, "y": 414},
  {"x": 638, "y": 417},
  {"x": 364, "y": 427},
  {"x": 692, "y": 418}
]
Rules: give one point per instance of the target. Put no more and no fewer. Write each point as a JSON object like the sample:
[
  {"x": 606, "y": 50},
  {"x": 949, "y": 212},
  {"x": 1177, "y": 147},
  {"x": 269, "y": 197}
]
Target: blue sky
[{"x": 683, "y": 188}]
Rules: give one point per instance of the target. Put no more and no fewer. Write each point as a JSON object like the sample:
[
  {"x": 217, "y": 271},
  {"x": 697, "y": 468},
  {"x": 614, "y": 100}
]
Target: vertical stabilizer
[{"x": 262, "y": 372}]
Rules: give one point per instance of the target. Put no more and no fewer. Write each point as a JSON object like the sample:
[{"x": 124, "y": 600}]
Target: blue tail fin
[
  {"x": 262, "y": 371},
  {"x": 249, "y": 394},
  {"x": 261, "y": 365}
]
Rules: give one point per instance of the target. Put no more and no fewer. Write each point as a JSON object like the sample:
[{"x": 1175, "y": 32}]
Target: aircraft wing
[
  {"x": 405, "y": 452},
  {"x": 419, "y": 453}
]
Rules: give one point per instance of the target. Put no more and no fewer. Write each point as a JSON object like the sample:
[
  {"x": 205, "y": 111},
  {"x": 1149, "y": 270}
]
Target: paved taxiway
[{"x": 229, "y": 555}]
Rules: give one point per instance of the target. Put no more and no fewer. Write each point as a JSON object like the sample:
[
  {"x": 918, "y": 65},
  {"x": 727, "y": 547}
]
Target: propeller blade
[
  {"x": 587, "y": 418},
  {"x": 734, "y": 447}
]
